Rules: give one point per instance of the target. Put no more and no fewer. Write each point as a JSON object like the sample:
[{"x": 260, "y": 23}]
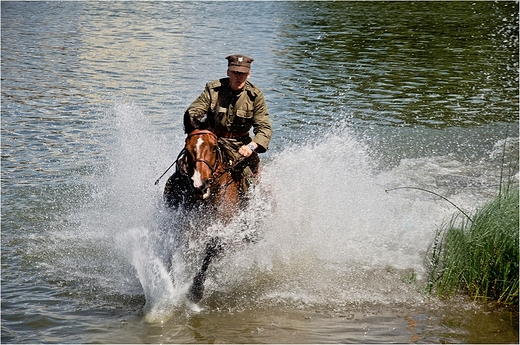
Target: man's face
[{"x": 237, "y": 80}]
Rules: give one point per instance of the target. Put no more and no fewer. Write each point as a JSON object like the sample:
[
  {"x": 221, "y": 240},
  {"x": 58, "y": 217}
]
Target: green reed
[{"x": 479, "y": 256}]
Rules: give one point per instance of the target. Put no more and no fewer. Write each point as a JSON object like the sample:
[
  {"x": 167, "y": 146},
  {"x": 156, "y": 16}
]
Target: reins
[{"x": 175, "y": 162}]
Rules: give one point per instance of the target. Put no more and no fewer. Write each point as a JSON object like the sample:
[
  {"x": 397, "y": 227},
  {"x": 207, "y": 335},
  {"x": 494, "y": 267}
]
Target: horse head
[{"x": 202, "y": 153}]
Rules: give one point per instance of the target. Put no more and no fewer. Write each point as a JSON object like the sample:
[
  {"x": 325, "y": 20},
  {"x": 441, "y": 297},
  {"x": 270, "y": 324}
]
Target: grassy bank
[{"x": 479, "y": 256}]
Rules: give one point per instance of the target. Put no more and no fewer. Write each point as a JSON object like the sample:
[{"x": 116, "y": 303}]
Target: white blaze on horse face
[
  {"x": 199, "y": 143},
  {"x": 197, "y": 180}
]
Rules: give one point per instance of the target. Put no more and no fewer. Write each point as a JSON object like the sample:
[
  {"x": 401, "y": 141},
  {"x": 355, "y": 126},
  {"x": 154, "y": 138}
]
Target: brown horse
[
  {"x": 205, "y": 185},
  {"x": 204, "y": 178}
]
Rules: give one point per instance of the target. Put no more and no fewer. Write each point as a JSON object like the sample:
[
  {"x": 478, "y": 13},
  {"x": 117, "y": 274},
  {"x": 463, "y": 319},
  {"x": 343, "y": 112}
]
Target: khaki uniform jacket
[{"x": 225, "y": 110}]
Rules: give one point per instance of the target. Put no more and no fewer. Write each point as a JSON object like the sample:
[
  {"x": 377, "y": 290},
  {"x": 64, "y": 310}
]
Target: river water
[{"x": 363, "y": 96}]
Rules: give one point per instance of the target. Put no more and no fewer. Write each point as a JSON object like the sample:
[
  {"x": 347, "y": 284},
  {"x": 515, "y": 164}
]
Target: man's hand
[{"x": 248, "y": 149}]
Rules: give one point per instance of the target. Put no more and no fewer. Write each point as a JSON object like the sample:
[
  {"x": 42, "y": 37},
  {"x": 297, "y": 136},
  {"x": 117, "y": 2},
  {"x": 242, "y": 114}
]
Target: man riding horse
[
  {"x": 230, "y": 107},
  {"x": 227, "y": 109}
]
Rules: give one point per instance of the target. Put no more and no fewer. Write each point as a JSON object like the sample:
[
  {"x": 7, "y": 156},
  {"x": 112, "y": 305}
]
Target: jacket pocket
[
  {"x": 243, "y": 120},
  {"x": 244, "y": 114}
]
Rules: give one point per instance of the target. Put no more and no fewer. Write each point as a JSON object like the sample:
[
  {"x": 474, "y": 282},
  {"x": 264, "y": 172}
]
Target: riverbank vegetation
[{"x": 479, "y": 256}]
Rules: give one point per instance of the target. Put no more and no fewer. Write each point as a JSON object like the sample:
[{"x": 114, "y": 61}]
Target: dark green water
[{"x": 364, "y": 96}]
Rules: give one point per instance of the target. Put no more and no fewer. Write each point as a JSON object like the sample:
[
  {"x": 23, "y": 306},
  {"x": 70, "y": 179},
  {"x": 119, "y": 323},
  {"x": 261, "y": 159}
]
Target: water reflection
[{"x": 402, "y": 63}]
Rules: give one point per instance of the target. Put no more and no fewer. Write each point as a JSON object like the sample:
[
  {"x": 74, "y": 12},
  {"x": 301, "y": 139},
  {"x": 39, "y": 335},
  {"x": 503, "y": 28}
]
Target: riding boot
[{"x": 253, "y": 162}]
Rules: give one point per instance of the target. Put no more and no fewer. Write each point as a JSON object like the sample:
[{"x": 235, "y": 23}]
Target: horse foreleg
[{"x": 196, "y": 290}]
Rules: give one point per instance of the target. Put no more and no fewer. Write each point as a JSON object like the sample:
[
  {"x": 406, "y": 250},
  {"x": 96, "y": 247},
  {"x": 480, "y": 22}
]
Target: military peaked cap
[{"x": 239, "y": 63}]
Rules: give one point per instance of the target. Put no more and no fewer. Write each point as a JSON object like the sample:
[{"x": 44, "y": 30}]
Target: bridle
[
  {"x": 220, "y": 167},
  {"x": 215, "y": 174},
  {"x": 214, "y": 167}
]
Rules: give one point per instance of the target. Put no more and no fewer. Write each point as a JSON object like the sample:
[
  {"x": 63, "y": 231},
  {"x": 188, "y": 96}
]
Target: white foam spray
[{"x": 320, "y": 230}]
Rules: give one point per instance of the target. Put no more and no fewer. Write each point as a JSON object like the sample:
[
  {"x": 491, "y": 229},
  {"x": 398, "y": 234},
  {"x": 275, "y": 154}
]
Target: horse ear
[{"x": 188, "y": 126}]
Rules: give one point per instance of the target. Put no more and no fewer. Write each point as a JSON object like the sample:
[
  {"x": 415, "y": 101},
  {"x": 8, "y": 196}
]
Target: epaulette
[
  {"x": 215, "y": 84},
  {"x": 251, "y": 89}
]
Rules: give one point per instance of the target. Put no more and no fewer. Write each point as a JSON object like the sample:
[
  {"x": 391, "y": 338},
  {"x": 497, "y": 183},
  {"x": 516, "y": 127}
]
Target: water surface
[{"x": 363, "y": 96}]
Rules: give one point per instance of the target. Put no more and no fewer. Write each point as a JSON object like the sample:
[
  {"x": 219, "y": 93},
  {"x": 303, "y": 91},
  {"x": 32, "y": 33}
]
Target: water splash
[
  {"x": 335, "y": 236},
  {"x": 320, "y": 231}
]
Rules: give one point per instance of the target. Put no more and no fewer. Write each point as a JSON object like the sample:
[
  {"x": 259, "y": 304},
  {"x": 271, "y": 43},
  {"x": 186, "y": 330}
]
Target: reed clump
[{"x": 479, "y": 256}]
